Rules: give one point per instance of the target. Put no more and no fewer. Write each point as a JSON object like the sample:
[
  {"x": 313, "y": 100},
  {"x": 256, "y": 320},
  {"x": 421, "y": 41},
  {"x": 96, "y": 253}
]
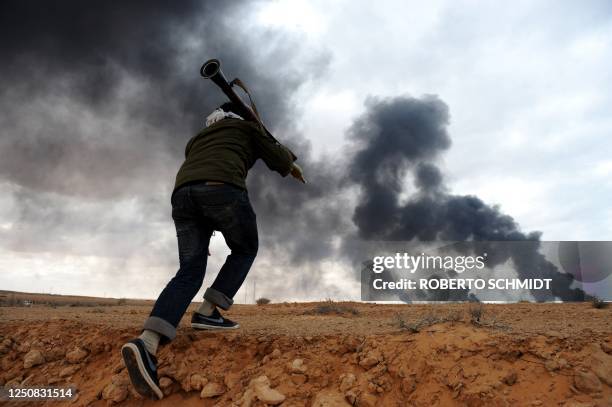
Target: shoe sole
[
  {"x": 213, "y": 327},
  {"x": 142, "y": 382}
]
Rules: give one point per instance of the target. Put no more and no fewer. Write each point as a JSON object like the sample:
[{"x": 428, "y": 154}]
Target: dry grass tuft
[
  {"x": 330, "y": 307},
  {"x": 598, "y": 303}
]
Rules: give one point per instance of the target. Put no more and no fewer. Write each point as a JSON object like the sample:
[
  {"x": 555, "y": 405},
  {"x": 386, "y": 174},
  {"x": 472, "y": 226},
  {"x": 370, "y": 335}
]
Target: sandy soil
[{"x": 325, "y": 354}]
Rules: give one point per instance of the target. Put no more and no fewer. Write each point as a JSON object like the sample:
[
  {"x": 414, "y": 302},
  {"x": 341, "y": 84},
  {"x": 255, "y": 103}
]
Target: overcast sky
[{"x": 95, "y": 119}]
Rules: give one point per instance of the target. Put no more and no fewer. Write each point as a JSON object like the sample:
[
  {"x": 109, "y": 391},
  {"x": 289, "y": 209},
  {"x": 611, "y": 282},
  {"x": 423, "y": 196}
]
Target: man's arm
[{"x": 277, "y": 157}]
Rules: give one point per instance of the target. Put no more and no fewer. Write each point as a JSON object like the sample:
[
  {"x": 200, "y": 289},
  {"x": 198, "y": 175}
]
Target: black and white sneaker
[
  {"x": 142, "y": 368},
  {"x": 215, "y": 321}
]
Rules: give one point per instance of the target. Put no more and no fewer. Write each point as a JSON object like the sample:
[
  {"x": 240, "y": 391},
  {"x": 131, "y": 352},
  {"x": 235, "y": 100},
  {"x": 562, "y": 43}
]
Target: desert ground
[{"x": 318, "y": 354}]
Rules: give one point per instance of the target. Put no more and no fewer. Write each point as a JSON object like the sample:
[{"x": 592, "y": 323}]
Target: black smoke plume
[{"x": 404, "y": 136}]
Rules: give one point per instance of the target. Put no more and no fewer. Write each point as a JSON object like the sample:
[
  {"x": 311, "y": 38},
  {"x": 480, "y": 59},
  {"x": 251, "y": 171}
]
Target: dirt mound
[{"x": 370, "y": 355}]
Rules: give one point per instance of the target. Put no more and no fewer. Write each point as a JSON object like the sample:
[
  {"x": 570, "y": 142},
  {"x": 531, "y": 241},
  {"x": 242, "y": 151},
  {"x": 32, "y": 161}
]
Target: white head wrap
[{"x": 220, "y": 114}]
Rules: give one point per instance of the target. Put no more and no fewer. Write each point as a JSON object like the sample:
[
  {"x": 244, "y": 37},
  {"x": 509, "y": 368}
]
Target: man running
[{"x": 209, "y": 194}]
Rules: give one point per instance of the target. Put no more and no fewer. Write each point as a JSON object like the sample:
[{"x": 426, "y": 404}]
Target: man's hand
[{"x": 296, "y": 172}]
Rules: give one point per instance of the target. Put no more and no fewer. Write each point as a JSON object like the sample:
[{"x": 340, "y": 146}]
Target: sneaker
[
  {"x": 214, "y": 321},
  {"x": 142, "y": 367}
]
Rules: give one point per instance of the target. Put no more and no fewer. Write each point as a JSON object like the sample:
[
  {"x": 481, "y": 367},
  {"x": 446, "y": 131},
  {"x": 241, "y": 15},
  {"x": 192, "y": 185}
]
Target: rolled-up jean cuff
[
  {"x": 218, "y": 298},
  {"x": 161, "y": 326}
]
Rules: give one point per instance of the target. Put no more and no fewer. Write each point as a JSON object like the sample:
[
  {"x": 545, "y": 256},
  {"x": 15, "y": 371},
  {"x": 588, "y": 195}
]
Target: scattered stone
[
  {"x": 351, "y": 397},
  {"x": 69, "y": 370},
  {"x": 370, "y": 360},
  {"x": 120, "y": 380},
  {"x": 366, "y": 400},
  {"x": 551, "y": 365},
  {"x": 587, "y": 382},
  {"x": 24, "y": 347},
  {"x": 33, "y": 358},
  {"x": 197, "y": 381},
  {"x": 606, "y": 347},
  {"x": 329, "y": 398},
  {"x": 115, "y": 393},
  {"x": 76, "y": 356},
  {"x": 54, "y": 354},
  {"x": 165, "y": 384},
  {"x": 510, "y": 378},
  {"x": 297, "y": 366},
  {"x": 601, "y": 364},
  {"x": 261, "y": 389},
  {"x": 347, "y": 380},
  {"x": 212, "y": 389},
  {"x": 276, "y": 353}
]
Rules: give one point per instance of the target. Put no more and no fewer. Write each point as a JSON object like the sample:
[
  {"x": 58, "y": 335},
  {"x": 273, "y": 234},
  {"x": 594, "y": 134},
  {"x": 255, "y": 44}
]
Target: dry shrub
[
  {"x": 598, "y": 303},
  {"x": 425, "y": 321},
  {"x": 262, "y": 301},
  {"x": 331, "y": 307},
  {"x": 476, "y": 312}
]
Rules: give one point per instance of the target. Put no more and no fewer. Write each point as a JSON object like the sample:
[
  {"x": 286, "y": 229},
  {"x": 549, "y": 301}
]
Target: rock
[
  {"x": 212, "y": 389},
  {"x": 54, "y": 354},
  {"x": 120, "y": 380},
  {"x": 115, "y": 393},
  {"x": 247, "y": 398},
  {"x": 33, "y": 358},
  {"x": 76, "y": 356},
  {"x": 347, "y": 380},
  {"x": 587, "y": 382},
  {"x": 165, "y": 384},
  {"x": 276, "y": 353},
  {"x": 297, "y": 366},
  {"x": 268, "y": 395},
  {"x": 606, "y": 347},
  {"x": 351, "y": 397},
  {"x": 197, "y": 381},
  {"x": 329, "y": 398},
  {"x": 261, "y": 389},
  {"x": 370, "y": 360},
  {"x": 366, "y": 400},
  {"x": 510, "y": 378},
  {"x": 24, "y": 347},
  {"x": 601, "y": 365},
  {"x": 551, "y": 365},
  {"x": 69, "y": 370}
]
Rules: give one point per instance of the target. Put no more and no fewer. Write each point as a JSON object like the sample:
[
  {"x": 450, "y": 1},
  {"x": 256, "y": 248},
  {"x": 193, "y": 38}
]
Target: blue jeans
[{"x": 197, "y": 211}]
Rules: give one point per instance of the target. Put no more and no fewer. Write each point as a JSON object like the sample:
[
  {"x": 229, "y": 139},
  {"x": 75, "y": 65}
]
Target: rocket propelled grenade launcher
[{"x": 212, "y": 70}]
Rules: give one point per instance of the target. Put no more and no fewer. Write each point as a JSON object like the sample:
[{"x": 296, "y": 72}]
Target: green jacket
[{"x": 226, "y": 150}]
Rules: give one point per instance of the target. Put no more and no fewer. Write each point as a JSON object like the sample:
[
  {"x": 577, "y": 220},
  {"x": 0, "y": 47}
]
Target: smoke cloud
[
  {"x": 99, "y": 100},
  {"x": 405, "y": 135}
]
